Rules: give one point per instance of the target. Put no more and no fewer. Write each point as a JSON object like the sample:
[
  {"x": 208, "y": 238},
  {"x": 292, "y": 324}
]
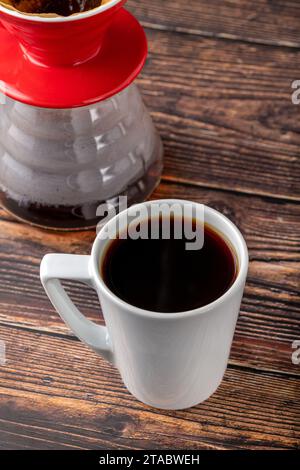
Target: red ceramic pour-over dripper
[
  {"x": 61, "y": 40},
  {"x": 62, "y": 62},
  {"x": 58, "y": 165}
]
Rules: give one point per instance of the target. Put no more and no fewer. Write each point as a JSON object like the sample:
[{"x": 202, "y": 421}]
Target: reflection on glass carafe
[
  {"x": 80, "y": 158},
  {"x": 74, "y": 132}
]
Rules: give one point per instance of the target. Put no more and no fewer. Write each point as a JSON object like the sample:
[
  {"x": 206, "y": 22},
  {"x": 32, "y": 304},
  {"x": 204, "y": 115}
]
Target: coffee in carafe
[{"x": 74, "y": 132}]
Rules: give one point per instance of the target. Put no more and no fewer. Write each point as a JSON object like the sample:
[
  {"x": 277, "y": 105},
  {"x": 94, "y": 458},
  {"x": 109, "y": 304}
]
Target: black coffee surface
[{"x": 162, "y": 276}]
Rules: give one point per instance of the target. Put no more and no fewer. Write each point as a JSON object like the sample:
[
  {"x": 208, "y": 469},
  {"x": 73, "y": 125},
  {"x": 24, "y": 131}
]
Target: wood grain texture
[
  {"x": 270, "y": 317},
  {"x": 61, "y": 395},
  {"x": 220, "y": 93},
  {"x": 274, "y": 22},
  {"x": 225, "y": 113}
]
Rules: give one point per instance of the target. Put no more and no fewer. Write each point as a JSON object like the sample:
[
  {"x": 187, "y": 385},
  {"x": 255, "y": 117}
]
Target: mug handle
[{"x": 73, "y": 267}]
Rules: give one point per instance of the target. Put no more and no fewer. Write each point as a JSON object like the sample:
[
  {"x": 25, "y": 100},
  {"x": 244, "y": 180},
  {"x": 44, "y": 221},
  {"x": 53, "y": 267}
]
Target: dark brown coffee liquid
[
  {"x": 162, "y": 276},
  {"x": 60, "y": 7}
]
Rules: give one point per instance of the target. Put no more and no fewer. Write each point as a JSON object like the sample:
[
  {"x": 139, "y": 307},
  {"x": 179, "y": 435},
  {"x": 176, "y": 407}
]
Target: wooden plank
[
  {"x": 270, "y": 315},
  {"x": 226, "y": 117},
  {"x": 5, "y": 216},
  {"x": 61, "y": 395},
  {"x": 273, "y": 22},
  {"x": 225, "y": 113}
]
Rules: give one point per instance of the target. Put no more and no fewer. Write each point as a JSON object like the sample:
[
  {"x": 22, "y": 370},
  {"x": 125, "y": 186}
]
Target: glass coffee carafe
[{"x": 74, "y": 132}]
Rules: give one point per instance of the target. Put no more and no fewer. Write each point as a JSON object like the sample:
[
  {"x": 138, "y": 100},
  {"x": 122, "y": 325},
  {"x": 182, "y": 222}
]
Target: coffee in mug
[
  {"x": 167, "y": 358},
  {"x": 162, "y": 275}
]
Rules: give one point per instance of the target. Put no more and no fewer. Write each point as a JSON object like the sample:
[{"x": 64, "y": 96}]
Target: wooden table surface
[{"x": 218, "y": 84}]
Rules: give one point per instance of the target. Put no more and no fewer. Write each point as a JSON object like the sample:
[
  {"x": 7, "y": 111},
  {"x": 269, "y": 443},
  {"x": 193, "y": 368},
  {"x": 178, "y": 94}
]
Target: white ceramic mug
[{"x": 166, "y": 360}]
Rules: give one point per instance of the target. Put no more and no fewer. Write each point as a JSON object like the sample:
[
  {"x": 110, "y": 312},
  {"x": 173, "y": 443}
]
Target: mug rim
[
  {"x": 242, "y": 251},
  {"x": 60, "y": 19}
]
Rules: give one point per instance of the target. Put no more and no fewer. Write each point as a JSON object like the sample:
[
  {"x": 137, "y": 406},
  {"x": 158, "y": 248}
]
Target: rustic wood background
[{"x": 218, "y": 83}]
